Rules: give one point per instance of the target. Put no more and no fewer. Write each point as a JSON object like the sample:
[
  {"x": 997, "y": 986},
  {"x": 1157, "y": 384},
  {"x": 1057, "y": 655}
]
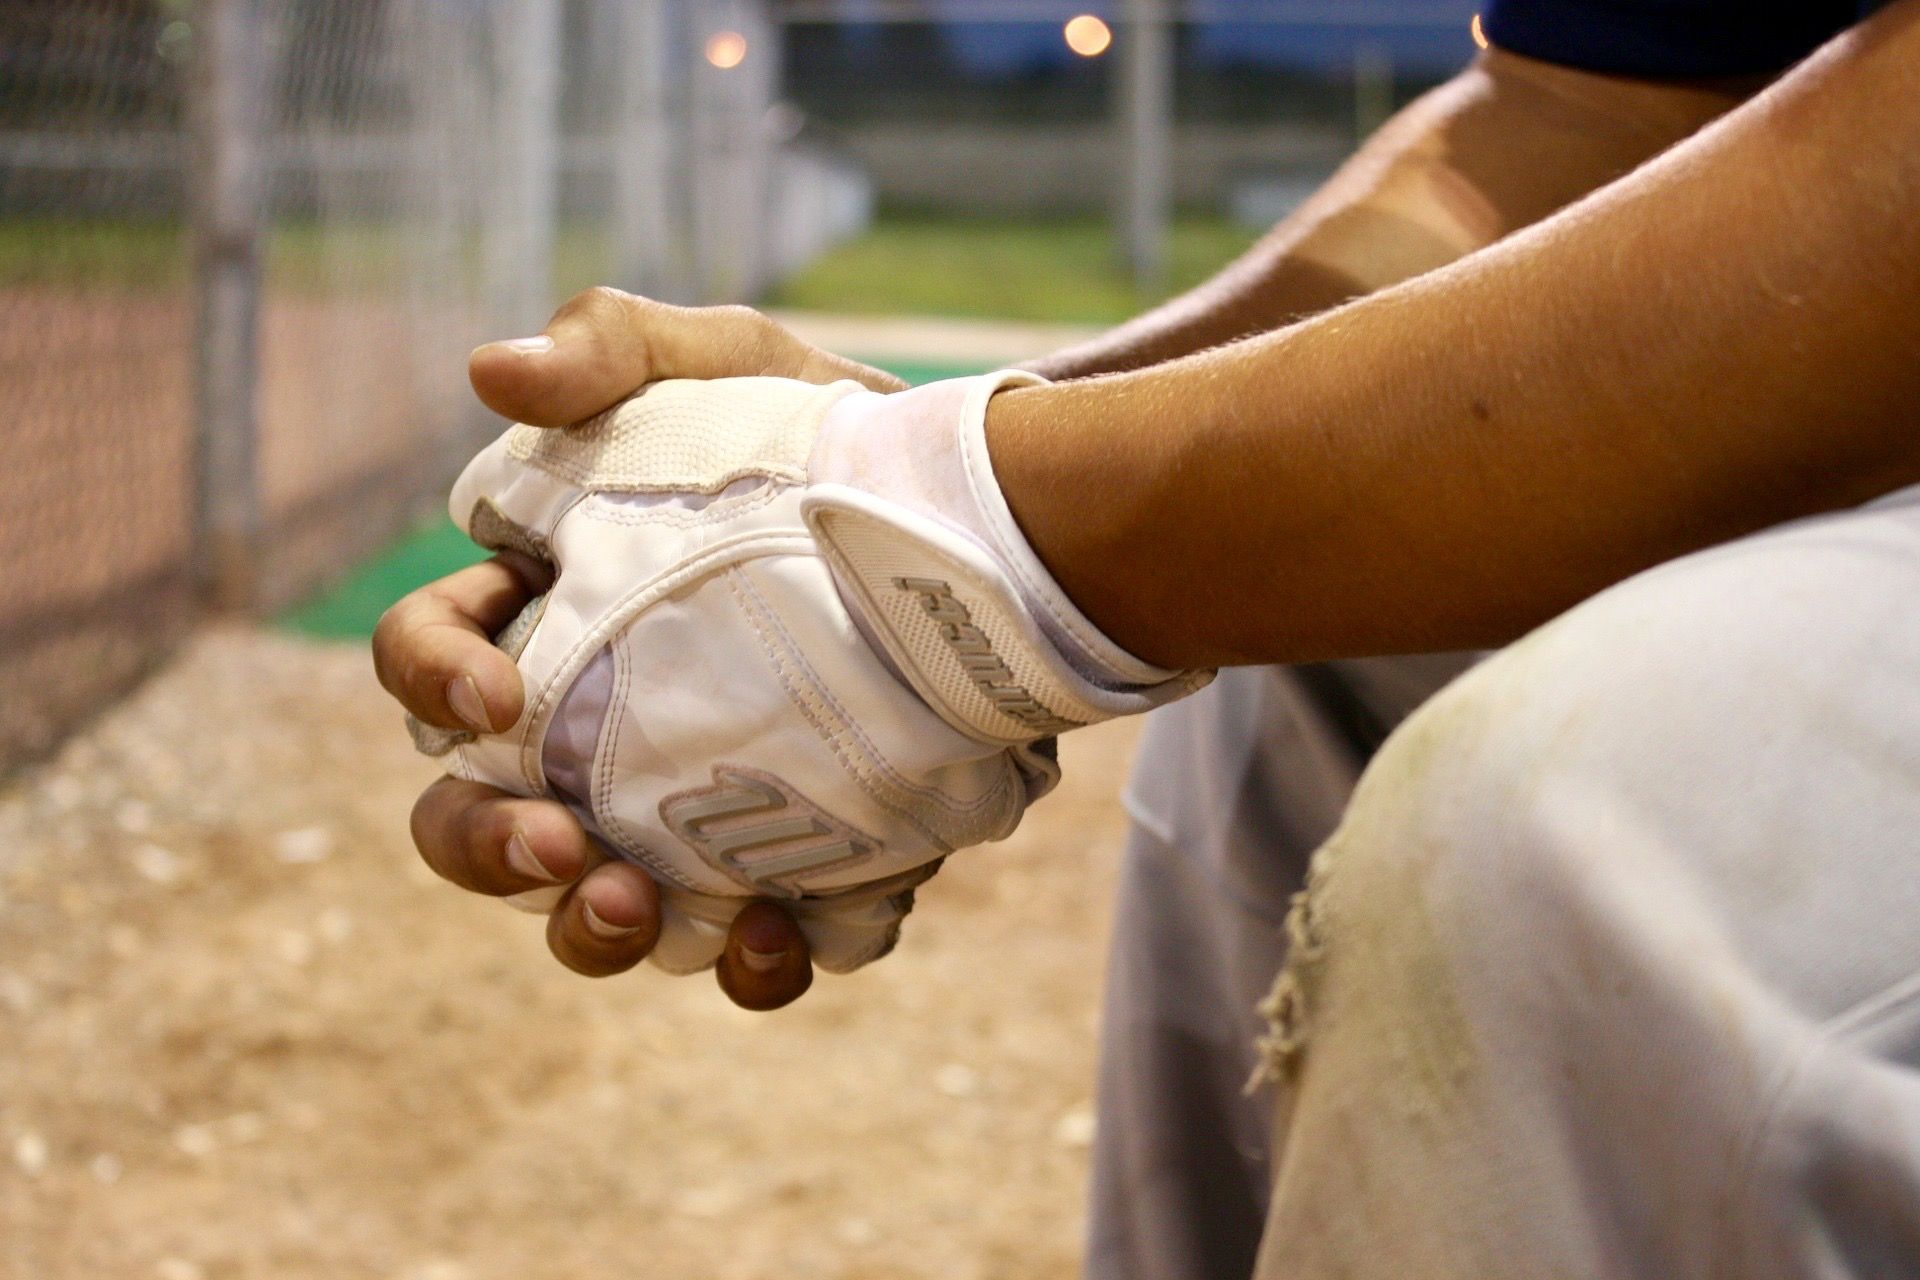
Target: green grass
[
  {"x": 83, "y": 252},
  {"x": 306, "y": 257},
  {"x": 1049, "y": 270},
  {"x": 351, "y": 607},
  {"x": 1063, "y": 270}
]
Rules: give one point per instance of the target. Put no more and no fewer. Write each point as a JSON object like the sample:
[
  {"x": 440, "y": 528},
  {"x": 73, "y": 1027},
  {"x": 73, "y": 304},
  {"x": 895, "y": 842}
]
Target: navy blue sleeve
[{"x": 1668, "y": 38}]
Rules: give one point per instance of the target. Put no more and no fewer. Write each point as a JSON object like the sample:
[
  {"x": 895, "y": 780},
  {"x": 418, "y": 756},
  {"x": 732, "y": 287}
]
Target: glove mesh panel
[{"x": 678, "y": 437}]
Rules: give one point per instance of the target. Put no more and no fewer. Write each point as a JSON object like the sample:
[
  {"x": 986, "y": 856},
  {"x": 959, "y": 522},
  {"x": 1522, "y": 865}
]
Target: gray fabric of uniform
[{"x": 1232, "y": 791}]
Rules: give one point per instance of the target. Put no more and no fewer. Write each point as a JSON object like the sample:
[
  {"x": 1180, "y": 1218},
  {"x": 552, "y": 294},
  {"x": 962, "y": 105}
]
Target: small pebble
[
  {"x": 303, "y": 846},
  {"x": 30, "y": 1153},
  {"x": 706, "y": 1202},
  {"x": 1075, "y": 1128},
  {"x": 438, "y": 1269},
  {"x": 160, "y": 865},
  {"x": 956, "y": 1080},
  {"x": 195, "y": 1140},
  {"x": 64, "y": 792}
]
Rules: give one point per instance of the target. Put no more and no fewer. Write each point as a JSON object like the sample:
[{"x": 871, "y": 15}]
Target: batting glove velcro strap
[{"x": 902, "y": 499}]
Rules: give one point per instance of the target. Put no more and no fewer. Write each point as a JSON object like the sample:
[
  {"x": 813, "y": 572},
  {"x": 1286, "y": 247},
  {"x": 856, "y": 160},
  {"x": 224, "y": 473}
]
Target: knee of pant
[
  {"x": 1641, "y": 757},
  {"x": 1490, "y": 758},
  {"x": 1461, "y": 836},
  {"x": 1509, "y": 809},
  {"x": 1659, "y": 706}
]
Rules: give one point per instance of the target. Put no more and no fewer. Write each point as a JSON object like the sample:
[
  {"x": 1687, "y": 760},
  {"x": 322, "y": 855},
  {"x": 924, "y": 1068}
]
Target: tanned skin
[{"x": 1727, "y": 338}]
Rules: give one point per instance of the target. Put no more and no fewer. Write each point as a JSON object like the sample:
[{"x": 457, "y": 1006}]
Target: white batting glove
[{"x": 796, "y": 648}]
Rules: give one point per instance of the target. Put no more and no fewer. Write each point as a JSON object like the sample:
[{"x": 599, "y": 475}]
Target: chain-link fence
[
  {"x": 245, "y": 245},
  {"x": 95, "y": 325}
]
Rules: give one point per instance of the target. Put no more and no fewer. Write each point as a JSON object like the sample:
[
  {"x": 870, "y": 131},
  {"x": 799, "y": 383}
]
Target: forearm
[
  {"x": 1498, "y": 147},
  {"x": 1722, "y": 341}
]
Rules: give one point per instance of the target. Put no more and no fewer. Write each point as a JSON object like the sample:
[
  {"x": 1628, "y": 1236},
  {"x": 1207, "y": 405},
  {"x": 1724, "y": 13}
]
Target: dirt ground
[{"x": 247, "y": 1034}]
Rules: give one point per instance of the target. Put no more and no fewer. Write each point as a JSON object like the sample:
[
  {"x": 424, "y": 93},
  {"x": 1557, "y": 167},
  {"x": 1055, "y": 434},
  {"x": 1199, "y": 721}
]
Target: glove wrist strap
[{"x": 930, "y": 559}]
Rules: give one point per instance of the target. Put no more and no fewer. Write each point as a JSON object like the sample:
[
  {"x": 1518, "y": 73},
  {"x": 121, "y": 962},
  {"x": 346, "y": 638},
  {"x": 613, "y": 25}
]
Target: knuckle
[
  {"x": 742, "y": 321},
  {"x": 392, "y": 626},
  {"x": 600, "y": 302},
  {"x": 737, "y": 314},
  {"x": 396, "y": 664},
  {"x": 480, "y": 830},
  {"x": 751, "y": 340}
]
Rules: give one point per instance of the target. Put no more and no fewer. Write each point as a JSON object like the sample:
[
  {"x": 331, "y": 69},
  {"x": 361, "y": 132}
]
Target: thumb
[
  {"x": 603, "y": 345},
  {"x": 595, "y": 351}
]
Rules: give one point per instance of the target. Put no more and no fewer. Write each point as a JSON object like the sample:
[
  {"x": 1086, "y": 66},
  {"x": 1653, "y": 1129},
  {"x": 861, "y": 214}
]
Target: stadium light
[
  {"x": 726, "y": 49},
  {"x": 1087, "y": 35}
]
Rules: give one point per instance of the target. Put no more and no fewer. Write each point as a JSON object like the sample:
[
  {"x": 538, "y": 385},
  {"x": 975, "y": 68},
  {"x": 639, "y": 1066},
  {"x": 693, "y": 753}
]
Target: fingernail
[
  {"x": 530, "y": 346},
  {"x": 463, "y": 695},
  {"x": 761, "y": 961},
  {"x": 601, "y": 929},
  {"x": 520, "y": 858}
]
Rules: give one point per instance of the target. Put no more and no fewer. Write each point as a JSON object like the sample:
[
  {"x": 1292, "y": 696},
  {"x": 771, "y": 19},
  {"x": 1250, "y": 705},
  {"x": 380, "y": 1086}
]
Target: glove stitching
[
  {"x": 815, "y": 702},
  {"x": 714, "y": 513},
  {"x": 819, "y": 690},
  {"x": 617, "y": 616},
  {"x": 757, "y": 619},
  {"x": 554, "y": 453},
  {"x": 594, "y": 480},
  {"x": 609, "y": 819}
]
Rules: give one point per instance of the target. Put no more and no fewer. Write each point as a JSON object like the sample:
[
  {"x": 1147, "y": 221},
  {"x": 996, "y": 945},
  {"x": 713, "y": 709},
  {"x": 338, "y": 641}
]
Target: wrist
[
  {"x": 937, "y": 573},
  {"x": 1078, "y": 485}
]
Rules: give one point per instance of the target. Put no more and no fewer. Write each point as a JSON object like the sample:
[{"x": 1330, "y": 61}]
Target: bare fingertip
[
  {"x": 765, "y": 930},
  {"x": 760, "y": 992}
]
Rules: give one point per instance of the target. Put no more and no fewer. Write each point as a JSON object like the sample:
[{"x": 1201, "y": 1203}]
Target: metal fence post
[
  {"x": 730, "y": 153},
  {"x": 649, "y": 241},
  {"x": 759, "y": 163},
  {"x": 1145, "y": 104},
  {"x": 228, "y": 109},
  {"x": 521, "y": 220},
  {"x": 1372, "y": 88}
]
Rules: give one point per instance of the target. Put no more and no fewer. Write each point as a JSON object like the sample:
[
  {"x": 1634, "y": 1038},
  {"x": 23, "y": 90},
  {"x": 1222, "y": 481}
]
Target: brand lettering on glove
[
  {"x": 758, "y": 831},
  {"x": 983, "y": 666}
]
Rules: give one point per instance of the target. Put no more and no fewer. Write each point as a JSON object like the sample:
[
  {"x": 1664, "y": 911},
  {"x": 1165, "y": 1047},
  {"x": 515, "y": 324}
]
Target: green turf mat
[
  {"x": 350, "y": 608},
  {"x": 919, "y": 371}
]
